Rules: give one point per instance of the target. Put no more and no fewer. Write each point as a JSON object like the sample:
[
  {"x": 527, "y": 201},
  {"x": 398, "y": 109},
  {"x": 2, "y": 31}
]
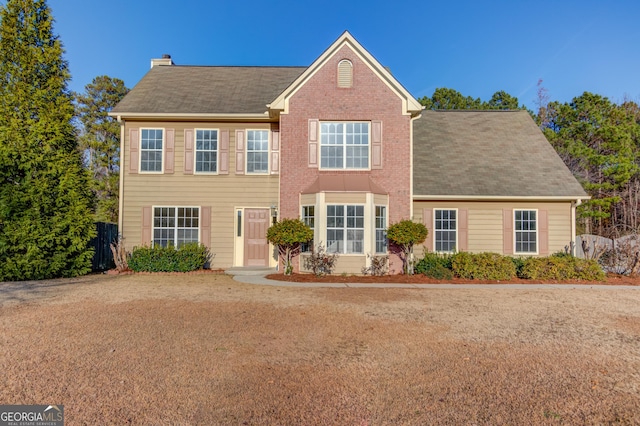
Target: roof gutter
[
  {"x": 190, "y": 116},
  {"x": 500, "y": 198}
]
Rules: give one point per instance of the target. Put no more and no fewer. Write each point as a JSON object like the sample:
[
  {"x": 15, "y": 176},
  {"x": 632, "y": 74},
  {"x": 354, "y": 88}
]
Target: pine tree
[
  {"x": 598, "y": 141},
  {"x": 45, "y": 201},
  {"x": 100, "y": 141}
]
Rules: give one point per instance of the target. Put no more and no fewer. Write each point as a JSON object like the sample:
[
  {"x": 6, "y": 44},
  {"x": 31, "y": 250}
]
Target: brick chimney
[{"x": 165, "y": 60}]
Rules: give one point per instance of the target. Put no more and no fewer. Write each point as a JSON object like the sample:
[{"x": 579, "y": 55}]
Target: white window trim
[
  {"x": 315, "y": 221},
  {"x": 515, "y": 243},
  {"x": 375, "y": 228},
  {"x": 434, "y": 228},
  {"x": 195, "y": 153},
  {"x": 246, "y": 152},
  {"x": 344, "y": 145},
  {"x": 364, "y": 228},
  {"x": 153, "y": 217},
  {"x": 164, "y": 146}
]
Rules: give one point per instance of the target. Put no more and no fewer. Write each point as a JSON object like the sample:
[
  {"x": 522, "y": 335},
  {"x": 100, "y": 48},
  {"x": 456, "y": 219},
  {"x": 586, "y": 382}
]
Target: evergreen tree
[
  {"x": 100, "y": 141},
  {"x": 502, "y": 100},
  {"x": 599, "y": 142},
  {"x": 446, "y": 99},
  {"x": 45, "y": 201}
]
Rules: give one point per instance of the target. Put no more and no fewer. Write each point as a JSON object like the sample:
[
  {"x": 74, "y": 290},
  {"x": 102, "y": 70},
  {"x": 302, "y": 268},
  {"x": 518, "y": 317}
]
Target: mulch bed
[{"x": 612, "y": 279}]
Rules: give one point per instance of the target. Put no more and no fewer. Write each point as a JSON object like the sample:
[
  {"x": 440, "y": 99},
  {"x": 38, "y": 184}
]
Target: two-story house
[{"x": 215, "y": 154}]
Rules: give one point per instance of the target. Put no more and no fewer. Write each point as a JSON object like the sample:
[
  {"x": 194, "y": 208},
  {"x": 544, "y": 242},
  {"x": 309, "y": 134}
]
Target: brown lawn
[{"x": 204, "y": 349}]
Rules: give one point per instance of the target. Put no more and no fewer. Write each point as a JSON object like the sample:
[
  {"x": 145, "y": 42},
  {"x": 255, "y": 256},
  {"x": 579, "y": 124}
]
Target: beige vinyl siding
[
  {"x": 223, "y": 193},
  {"x": 345, "y": 198},
  {"x": 559, "y": 227},
  {"x": 346, "y": 264},
  {"x": 485, "y": 227},
  {"x": 308, "y": 199},
  {"x": 380, "y": 200}
]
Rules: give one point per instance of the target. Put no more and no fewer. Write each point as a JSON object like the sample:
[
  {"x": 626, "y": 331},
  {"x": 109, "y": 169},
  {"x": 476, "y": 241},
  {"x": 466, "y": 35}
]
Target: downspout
[
  {"x": 121, "y": 183},
  {"x": 574, "y": 204},
  {"x": 411, "y": 163}
]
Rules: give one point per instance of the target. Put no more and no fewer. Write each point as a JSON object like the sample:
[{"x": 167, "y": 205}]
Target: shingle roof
[
  {"x": 487, "y": 153},
  {"x": 179, "y": 89}
]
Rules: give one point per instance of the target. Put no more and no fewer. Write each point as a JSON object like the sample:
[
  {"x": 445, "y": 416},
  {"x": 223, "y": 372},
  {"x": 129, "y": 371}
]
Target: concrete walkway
[{"x": 262, "y": 280}]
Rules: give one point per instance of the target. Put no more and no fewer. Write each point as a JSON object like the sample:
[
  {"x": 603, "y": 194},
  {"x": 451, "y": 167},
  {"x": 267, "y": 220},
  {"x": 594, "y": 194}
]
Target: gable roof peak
[{"x": 411, "y": 105}]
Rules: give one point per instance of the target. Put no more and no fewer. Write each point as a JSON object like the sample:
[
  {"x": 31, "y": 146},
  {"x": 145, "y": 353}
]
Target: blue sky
[{"x": 476, "y": 47}]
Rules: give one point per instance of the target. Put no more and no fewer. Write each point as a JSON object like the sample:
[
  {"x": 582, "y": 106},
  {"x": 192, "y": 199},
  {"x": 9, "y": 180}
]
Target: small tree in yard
[
  {"x": 287, "y": 235},
  {"x": 404, "y": 235}
]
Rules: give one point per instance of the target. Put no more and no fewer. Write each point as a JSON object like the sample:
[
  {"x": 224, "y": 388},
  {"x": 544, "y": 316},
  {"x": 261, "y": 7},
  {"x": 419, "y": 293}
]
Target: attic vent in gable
[{"x": 345, "y": 73}]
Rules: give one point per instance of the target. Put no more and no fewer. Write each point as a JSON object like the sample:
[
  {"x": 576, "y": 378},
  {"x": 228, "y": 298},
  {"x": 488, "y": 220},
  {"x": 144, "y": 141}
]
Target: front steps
[{"x": 250, "y": 271}]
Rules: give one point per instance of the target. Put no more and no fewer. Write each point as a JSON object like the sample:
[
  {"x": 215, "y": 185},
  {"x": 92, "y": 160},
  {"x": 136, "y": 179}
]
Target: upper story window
[
  {"x": 445, "y": 230},
  {"x": 257, "y": 151},
  {"x": 151, "y": 142},
  {"x": 206, "y": 151},
  {"x": 526, "y": 230},
  {"x": 344, "y": 145},
  {"x": 345, "y": 73}
]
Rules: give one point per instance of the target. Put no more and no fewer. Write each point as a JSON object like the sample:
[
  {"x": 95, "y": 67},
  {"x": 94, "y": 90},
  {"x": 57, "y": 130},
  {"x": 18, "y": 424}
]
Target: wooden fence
[{"x": 107, "y": 233}]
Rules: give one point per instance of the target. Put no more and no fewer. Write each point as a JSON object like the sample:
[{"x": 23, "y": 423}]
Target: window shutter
[
  {"x": 223, "y": 154},
  {"x": 507, "y": 231},
  {"x": 543, "y": 232},
  {"x": 239, "y": 152},
  {"x": 205, "y": 226},
  {"x": 427, "y": 220},
  {"x": 147, "y": 228},
  {"x": 188, "y": 151},
  {"x": 275, "y": 153},
  {"x": 134, "y": 150},
  {"x": 376, "y": 144},
  {"x": 169, "y": 154},
  {"x": 313, "y": 143},
  {"x": 463, "y": 233}
]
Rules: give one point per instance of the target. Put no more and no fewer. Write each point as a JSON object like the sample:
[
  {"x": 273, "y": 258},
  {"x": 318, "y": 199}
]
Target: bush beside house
[
  {"x": 186, "y": 258},
  {"x": 493, "y": 266}
]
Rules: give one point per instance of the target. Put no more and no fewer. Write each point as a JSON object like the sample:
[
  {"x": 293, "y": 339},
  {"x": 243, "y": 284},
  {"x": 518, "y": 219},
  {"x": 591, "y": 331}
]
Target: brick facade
[{"x": 369, "y": 98}]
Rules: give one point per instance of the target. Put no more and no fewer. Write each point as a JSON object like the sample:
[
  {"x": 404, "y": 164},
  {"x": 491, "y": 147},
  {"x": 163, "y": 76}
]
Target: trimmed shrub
[
  {"x": 379, "y": 265},
  {"x": 320, "y": 262},
  {"x": 562, "y": 268},
  {"x": 288, "y": 235},
  {"x": 482, "y": 266},
  {"x": 518, "y": 262},
  {"x": 189, "y": 257},
  {"x": 404, "y": 235},
  {"x": 435, "y": 265}
]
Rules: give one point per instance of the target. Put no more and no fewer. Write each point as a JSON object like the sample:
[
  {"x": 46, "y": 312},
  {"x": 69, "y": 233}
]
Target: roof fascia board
[
  {"x": 500, "y": 198},
  {"x": 410, "y": 105},
  {"x": 187, "y": 116}
]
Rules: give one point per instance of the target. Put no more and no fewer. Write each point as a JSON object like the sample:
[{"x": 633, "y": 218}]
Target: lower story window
[
  {"x": 381, "y": 229},
  {"x": 526, "y": 231},
  {"x": 345, "y": 229},
  {"x": 309, "y": 219},
  {"x": 175, "y": 226},
  {"x": 445, "y": 230}
]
